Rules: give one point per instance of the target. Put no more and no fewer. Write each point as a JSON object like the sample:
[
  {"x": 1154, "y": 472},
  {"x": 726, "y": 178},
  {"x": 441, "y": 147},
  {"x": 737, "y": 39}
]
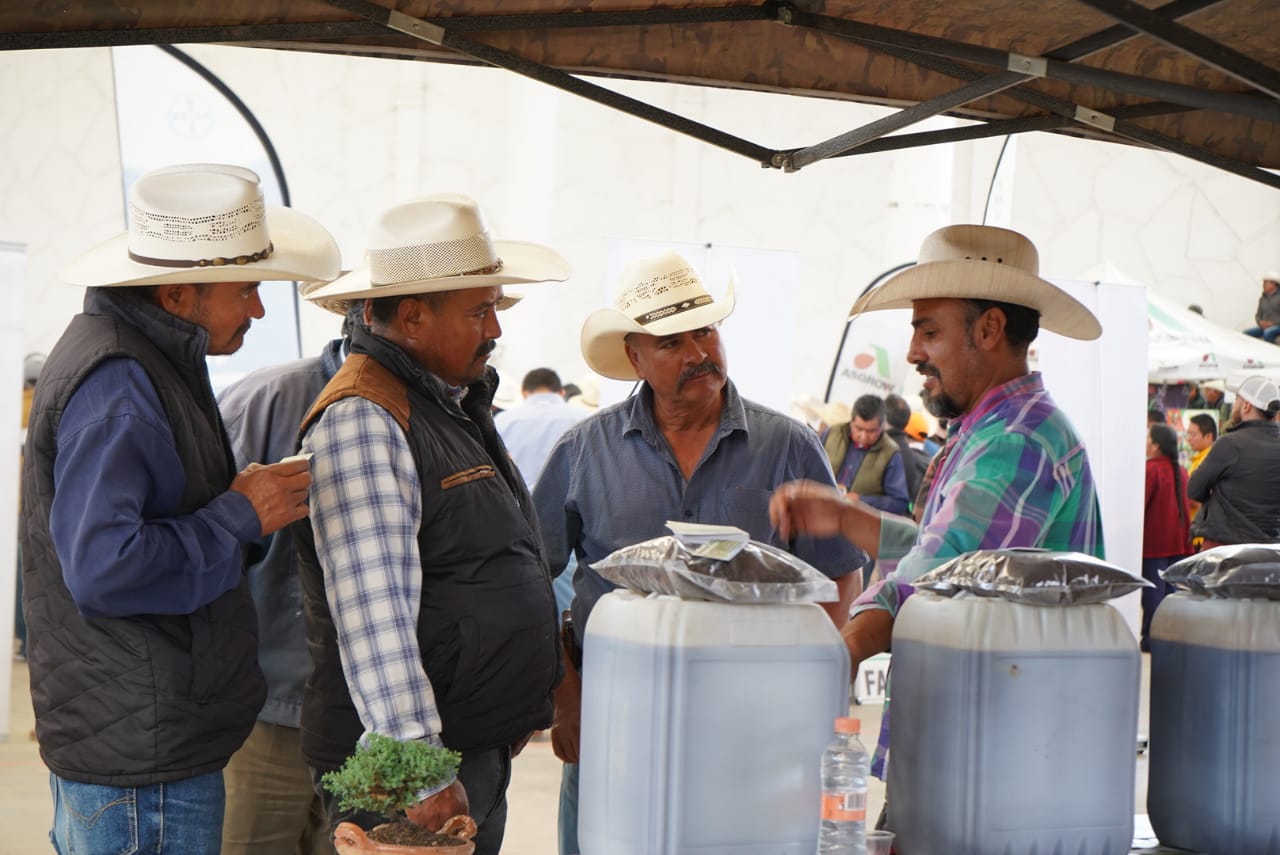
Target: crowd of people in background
[{"x": 1222, "y": 490}]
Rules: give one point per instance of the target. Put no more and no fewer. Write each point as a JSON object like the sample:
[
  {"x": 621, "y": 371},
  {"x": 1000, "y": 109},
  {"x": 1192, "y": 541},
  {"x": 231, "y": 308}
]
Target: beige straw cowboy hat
[
  {"x": 439, "y": 243},
  {"x": 206, "y": 222},
  {"x": 983, "y": 263},
  {"x": 656, "y": 296}
]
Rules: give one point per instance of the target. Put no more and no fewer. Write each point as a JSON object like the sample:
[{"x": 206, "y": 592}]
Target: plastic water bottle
[{"x": 845, "y": 767}]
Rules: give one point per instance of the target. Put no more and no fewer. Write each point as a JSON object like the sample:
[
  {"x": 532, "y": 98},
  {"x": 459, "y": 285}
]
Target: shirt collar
[
  {"x": 1028, "y": 384},
  {"x": 639, "y": 418}
]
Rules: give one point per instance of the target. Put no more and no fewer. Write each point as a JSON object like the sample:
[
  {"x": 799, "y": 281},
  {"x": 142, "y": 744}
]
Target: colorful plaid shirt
[{"x": 1012, "y": 473}]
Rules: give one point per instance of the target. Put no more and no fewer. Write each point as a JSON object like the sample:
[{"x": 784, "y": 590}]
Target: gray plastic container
[
  {"x": 703, "y": 726},
  {"x": 1014, "y": 728},
  {"x": 1215, "y": 725}
]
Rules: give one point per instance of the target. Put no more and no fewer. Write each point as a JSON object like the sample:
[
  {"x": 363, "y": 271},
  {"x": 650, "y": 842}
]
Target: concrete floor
[{"x": 26, "y": 809}]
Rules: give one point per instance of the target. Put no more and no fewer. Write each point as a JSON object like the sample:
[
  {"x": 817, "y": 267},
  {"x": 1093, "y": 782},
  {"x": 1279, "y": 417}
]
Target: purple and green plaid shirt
[{"x": 1013, "y": 473}]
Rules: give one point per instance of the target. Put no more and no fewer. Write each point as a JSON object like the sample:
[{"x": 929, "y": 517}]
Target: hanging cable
[
  {"x": 258, "y": 131},
  {"x": 986, "y": 206}
]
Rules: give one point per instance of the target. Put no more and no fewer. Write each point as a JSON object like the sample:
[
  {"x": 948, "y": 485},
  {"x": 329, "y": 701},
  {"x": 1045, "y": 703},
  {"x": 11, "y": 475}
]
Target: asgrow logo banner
[{"x": 873, "y": 359}]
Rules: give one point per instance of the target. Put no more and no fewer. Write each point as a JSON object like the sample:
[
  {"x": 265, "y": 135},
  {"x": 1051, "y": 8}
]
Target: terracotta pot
[{"x": 350, "y": 839}]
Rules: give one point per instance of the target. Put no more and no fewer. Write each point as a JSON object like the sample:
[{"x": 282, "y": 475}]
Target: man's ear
[
  {"x": 175, "y": 298},
  {"x": 632, "y": 356},
  {"x": 989, "y": 329},
  {"x": 410, "y": 312}
]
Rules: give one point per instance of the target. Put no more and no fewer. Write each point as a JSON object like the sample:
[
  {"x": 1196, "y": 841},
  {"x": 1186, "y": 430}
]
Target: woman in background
[{"x": 1166, "y": 533}]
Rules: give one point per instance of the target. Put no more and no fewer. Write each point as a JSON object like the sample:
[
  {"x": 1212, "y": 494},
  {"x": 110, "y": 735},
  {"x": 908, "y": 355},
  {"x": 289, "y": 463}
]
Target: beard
[{"x": 939, "y": 403}]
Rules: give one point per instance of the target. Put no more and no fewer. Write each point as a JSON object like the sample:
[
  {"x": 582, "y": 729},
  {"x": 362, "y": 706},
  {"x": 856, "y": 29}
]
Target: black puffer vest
[
  {"x": 151, "y": 698},
  {"x": 487, "y": 621}
]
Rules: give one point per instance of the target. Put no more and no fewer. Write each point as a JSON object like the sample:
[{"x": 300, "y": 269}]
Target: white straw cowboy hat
[
  {"x": 440, "y": 243},
  {"x": 206, "y": 222},
  {"x": 657, "y": 296},
  {"x": 983, "y": 263}
]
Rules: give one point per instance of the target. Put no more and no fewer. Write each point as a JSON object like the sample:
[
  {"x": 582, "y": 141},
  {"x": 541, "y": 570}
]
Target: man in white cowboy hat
[
  {"x": 1013, "y": 471},
  {"x": 686, "y": 447},
  {"x": 1237, "y": 481},
  {"x": 1267, "y": 317},
  {"x": 1215, "y": 399},
  {"x": 143, "y": 643},
  {"x": 272, "y": 806},
  {"x": 429, "y": 608}
]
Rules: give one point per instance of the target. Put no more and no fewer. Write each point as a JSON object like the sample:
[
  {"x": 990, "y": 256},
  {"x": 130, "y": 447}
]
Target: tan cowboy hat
[
  {"x": 983, "y": 263},
  {"x": 206, "y": 222},
  {"x": 441, "y": 243},
  {"x": 656, "y": 296}
]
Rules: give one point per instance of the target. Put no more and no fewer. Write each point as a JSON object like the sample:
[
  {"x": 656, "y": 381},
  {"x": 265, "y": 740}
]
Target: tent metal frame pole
[
  {"x": 910, "y": 115},
  {"x": 438, "y": 35},
  {"x": 998, "y": 128},
  {"x": 874, "y": 36},
  {"x": 925, "y": 51},
  {"x": 1203, "y": 48},
  {"x": 1069, "y": 109}
]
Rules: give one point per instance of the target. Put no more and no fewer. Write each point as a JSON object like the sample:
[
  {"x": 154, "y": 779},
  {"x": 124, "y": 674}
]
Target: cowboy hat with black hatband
[
  {"x": 439, "y": 243},
  {"x": 983, "y": 263},
  {"x": 656, "y": 296},
  {"x": 206, "y": 222}
]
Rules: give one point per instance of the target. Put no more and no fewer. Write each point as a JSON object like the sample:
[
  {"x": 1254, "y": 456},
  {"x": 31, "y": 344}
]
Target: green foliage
[{"x": 385, "y": 775}]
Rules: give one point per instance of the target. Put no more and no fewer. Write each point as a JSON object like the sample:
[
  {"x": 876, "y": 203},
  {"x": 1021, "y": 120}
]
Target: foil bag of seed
[
  {"x": 1039, "y": 577},
  {"x": 757, "y": 573}
]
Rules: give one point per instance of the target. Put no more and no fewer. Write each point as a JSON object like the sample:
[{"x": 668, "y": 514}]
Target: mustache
[
  {"x": 486, "y": 348},
  {"x": 928, "y": 369},
  {"x": 707, "y": 367}
]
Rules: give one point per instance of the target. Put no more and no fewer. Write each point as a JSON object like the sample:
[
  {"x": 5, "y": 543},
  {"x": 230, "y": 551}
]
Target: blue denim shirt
[
  {"x": 262, "y": 412},
  {"x": 612, "y": 481}
]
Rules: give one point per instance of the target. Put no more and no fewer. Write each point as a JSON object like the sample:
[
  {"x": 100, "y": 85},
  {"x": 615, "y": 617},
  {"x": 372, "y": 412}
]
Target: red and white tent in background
[{"x": 1183, "y": 346}]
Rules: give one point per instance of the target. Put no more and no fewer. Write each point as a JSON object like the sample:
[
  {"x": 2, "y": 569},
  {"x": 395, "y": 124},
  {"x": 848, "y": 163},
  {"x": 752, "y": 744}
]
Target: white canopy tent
[{"x": 1183, "y": 346}]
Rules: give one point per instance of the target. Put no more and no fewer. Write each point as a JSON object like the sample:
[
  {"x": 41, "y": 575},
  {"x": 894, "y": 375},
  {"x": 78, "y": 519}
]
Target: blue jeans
[
  {"x": 1269, "y": 334},
  {"x": 568, "y": 824},
  {"x": 181, "y": 817}
]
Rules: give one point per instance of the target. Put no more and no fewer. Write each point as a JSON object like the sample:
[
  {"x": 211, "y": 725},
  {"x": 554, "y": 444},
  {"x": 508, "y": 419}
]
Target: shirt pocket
[{"x": 748, "y": 509}]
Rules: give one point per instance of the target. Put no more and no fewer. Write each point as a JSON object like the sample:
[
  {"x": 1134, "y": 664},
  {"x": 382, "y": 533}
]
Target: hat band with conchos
[
  {"x": 235, "y": 237},
  {"x": 470, "y": 256},
  {"x": 672, "y": 310}
]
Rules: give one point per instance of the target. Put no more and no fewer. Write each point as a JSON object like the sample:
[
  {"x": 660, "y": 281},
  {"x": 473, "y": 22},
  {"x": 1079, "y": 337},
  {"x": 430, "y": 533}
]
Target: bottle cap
[{"x": 848, "y": 725}]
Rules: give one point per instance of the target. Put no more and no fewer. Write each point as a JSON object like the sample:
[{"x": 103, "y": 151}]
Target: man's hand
[
  {"x": 566, "y": 726},
  {"x": 277, "y": 492},
  {"x": 820, "y": 510},
  {"x": 519, "y": 744},
  {"x": 433, "y": 811},
  {"x": 868, "y": 633},
  {"x": 807, "y": 507}
]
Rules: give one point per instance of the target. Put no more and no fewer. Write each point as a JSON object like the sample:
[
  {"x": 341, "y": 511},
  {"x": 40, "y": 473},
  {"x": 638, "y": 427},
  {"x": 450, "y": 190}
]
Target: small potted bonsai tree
[{"x": 384, "y": 776}]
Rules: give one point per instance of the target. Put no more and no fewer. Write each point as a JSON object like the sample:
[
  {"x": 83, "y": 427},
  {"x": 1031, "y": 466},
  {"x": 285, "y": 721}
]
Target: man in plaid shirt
[
  {"x": 1013, "y": 471},
  {"x": 429, "y": 608}
]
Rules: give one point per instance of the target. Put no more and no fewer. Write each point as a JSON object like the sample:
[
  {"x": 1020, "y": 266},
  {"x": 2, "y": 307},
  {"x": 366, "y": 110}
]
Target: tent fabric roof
[{"x": 1197, "y": 77}]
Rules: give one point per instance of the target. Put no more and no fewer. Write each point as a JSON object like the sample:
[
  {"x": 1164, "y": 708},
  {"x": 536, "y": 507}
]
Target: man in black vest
[
  {"x": 428, "y": 602},
  {"x": 142, "y": 637}
]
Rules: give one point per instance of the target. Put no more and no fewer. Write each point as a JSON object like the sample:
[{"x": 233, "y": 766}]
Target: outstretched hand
[
  {"x": 807, "y": 507},
  {"x": 278, "y": 492}
]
